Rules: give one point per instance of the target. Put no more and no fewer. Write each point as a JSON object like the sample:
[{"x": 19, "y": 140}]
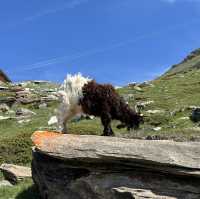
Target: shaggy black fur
[{"x": 103, "y": 101}]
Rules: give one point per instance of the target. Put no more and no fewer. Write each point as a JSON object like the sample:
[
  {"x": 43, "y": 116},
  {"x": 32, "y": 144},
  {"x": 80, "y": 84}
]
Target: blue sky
[{"x": 115, "y": 41}]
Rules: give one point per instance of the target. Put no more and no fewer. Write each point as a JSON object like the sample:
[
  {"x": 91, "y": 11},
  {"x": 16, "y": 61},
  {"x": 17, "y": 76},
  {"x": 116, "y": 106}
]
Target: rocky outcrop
[
  {"x": 15, "y": 173},
  {"x": 93, "y": 167}
]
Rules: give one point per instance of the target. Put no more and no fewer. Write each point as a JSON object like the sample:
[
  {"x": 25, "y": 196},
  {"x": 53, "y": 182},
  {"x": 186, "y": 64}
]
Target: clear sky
[{"x": 115, "y": 41}]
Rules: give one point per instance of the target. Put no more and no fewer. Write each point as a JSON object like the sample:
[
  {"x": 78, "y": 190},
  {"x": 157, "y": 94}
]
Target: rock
[
  {"x": 28, "y": 100},
  {"x": 93, "y": 167},
  {"x": 14, "y": 173},
  {"x": 4, "y": 118},
  {"x": 155, "y": 111},
  {"x": 145, "y": 84},
  {"x": 40, "y": 82},
  {"x": 53, "y": 120},
  {"x": 157, "y": 128},
  {"x": 4, "y": 183},
  {"x": 4, "y": 88},
  {"x": 90, "y": 117},
  {"x": 23, "y": 121},
  {"x": 42, "y": 106},
  {"x": 137, "y": 88},
  {"x": 49, "y": 98},
  {"x": 143, "y": 105},
  {"x": 24, "y": 112},
  {"x": 4, "y": 108},
  {"x": 132, "y": 84},
  {"x": 193, "y": 107},
  {"x": 23, "y": 94},
  {"x": 8, "y": 101},
  {"x": 184, "y": 118},
  {"x": 118, "y": 87},
  {"x": 195, "y": 117},
  {"x": 128, "y": 97}
]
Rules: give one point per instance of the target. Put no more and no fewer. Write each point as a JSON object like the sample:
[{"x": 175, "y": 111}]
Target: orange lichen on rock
[{"x": 39, "y": 136}]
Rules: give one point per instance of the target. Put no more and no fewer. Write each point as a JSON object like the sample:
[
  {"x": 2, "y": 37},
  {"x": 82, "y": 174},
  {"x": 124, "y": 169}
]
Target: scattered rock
[
  {"x": 14, "y": 173},
  {"x": 23, "y": 94},
  {"x": 24, "y": 112},
  {"x": 128, "y": 97},
  {"x": 142, "y": 105},
  {"x": 40, "y": 82},
  {"x": 42, "y": 106},
  {"x": 195, "y": 117},
  {"x": 23, "y": 121},
  {"x": 53, "y": 120},
  {"x": 4, "y": 183},
  {"x": 4, "y": 108},
  {"x": 28, "y": 100},
  {"x": 49, "y": 98},
  {"x": 89, "y": 117},
  {"x": 137, "y": 88},
  {"x": 145, "y": 84},
  {"x": 157, "y": 128},
  {"x": 4, "y": 118},
  {"x": 155, "y": 111},
  {"x": 4, "y": 88},
  {"x": 118, "y": 87},
  {"x": 8, "y": 101},
  {"x": 193, "y": 107},
  {"x": 184, "y": 118},
  {"x": 132, "y": 84}
]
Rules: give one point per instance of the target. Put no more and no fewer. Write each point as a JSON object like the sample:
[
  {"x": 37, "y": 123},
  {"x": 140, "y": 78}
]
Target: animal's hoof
[{"x": 108, "y": 134}]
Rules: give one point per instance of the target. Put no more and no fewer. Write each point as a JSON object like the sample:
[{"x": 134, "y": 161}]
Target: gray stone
[
  {"x": 94, "y": 167},
  {"x": 4, "y": 118},
  {"x": 24, "y": 112},
  {"x": 155, "y": 111},
  {"x": 24, "y": 121},
  {"x": 53, "y": 120},
  {"x": 157, "y": 128},
  {"x": 15, "y": 173},
  {"x": 28, "y": 100},
  {"x": 195, "y": 117},
  {"x": 49, "y": 98},
  {"x": 42, "y": 106},
  {"x": 4, "y": 108},
  {"x": 137, "y": 88},
  {"x": 143, "y": 105}
]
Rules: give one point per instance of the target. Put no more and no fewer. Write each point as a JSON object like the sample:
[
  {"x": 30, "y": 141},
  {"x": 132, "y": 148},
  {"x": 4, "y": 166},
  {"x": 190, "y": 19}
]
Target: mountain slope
[{"x": 192, "y": 61}]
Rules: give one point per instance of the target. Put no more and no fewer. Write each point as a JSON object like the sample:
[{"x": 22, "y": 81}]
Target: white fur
[{"x": 70, "y": 93}]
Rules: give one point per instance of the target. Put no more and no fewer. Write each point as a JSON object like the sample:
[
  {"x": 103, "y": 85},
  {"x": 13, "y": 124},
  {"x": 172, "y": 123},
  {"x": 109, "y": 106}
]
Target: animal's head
[{"x": 133, "y": 121}]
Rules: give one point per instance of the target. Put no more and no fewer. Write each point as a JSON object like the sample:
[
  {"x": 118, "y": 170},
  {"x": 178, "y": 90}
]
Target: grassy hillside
[
  {"x": 171, "y": 95},
  {"x": 191, "y": 62}
]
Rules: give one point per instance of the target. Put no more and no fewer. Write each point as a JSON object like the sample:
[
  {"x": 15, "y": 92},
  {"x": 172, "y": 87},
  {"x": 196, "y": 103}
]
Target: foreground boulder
[
  {"x": 15, "y": 173},
  {"x": 93, "y": 167}
]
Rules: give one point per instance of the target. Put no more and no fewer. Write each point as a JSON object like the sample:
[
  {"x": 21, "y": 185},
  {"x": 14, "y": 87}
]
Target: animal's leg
[
  {"x": 63, "y": 114},
  {"x": 106, "y": 121}
]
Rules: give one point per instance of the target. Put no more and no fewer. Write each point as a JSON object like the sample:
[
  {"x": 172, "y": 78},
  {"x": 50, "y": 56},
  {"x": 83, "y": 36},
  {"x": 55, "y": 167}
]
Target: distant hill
[{"x": 192, "y": 61}]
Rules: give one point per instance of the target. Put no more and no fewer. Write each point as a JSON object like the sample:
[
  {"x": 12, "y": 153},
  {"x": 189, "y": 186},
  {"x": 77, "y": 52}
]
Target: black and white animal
[{"x": 79, "y": 94}]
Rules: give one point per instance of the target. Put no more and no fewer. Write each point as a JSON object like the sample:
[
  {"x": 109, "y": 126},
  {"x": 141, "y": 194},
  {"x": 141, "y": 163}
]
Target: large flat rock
[
  {"x": 95, "y": 167},
  {"x": 182, "y": 158}
]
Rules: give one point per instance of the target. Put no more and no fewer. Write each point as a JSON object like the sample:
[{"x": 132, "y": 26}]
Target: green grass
[
  {"x": 23, "y": 190},
  {"x": 172, "y": 93}
]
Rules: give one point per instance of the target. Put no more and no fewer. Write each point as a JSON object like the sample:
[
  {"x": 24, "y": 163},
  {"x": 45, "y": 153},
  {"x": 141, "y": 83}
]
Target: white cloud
[{"x": 69, "y": 5}]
